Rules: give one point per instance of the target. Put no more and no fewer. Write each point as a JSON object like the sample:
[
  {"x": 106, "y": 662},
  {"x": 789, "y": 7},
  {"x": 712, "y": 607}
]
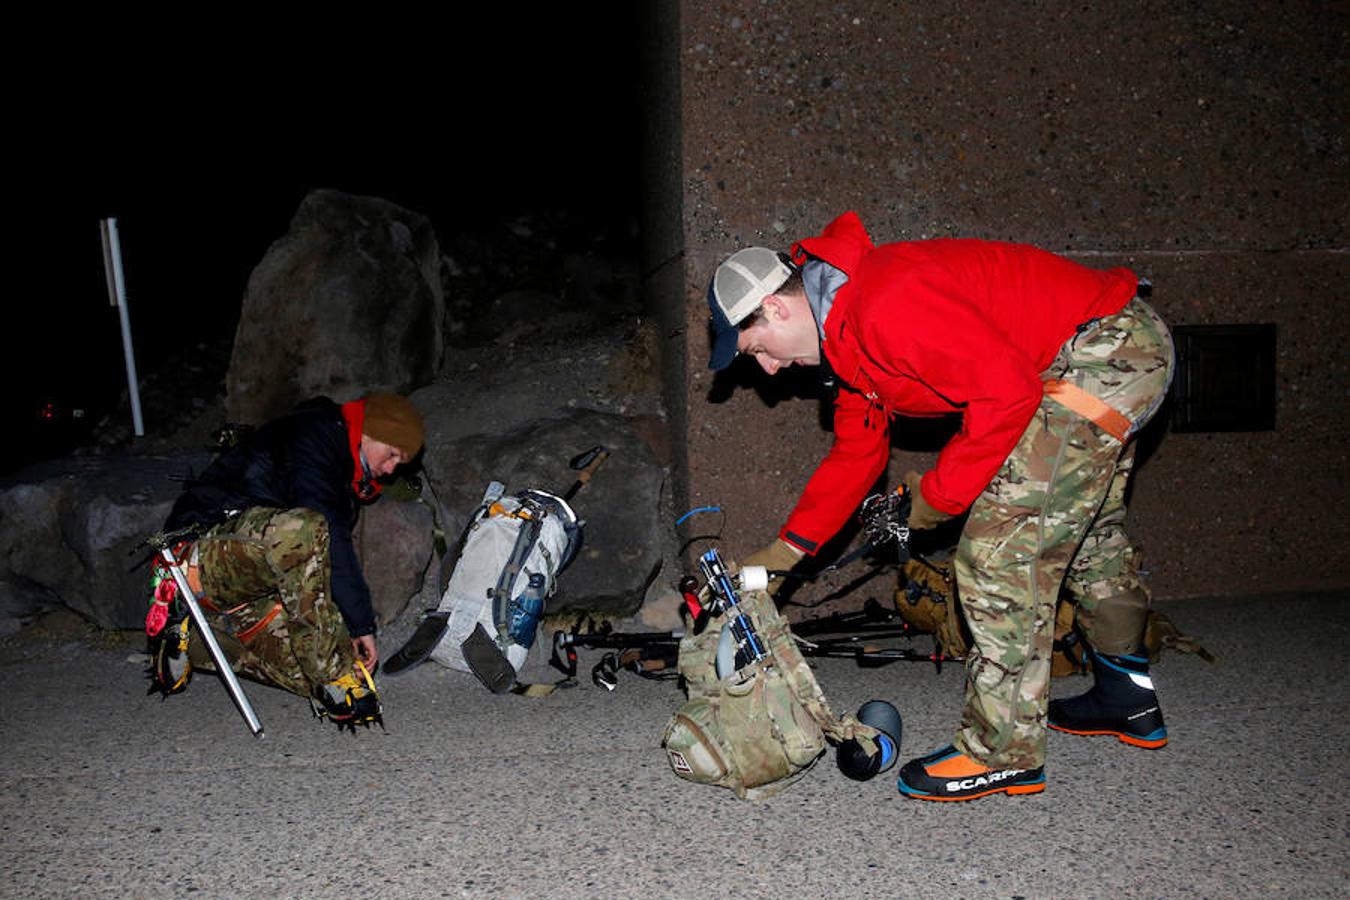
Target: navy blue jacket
[{"x": 302, "y": 459}]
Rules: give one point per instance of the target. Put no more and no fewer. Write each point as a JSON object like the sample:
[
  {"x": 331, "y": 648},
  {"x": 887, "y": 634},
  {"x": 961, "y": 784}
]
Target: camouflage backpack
[
  {"x": 927, "y": 599},
  {"x": 761, "y": 728}
]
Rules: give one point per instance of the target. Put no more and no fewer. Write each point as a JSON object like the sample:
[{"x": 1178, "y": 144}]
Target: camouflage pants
[
  {"x": 1054, "y": 516},
  {"x": 265, "y": 575}
]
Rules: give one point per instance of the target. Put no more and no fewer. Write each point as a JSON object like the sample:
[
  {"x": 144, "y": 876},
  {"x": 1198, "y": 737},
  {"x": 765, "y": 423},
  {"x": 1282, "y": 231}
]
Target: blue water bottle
[{"x": 523, "y": 623}]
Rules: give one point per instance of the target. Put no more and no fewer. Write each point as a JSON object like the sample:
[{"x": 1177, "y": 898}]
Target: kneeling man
[{"x": 269, "y": 549}]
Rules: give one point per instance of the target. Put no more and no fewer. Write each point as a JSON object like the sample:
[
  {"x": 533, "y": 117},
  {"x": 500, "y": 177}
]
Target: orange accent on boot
[
  {"x": 1025, "y": 788},
  {"x": 1140, "y": 742},
  {"x": 957, "y": 766},
  {"x": 1012, "y": 789},
  {"x": 1118, "y": 735},
  {"x": 962, "y": 766}
]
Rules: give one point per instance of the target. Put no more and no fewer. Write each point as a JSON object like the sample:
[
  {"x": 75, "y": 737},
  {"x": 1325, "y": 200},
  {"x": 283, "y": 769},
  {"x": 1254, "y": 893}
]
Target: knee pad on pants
[{"x": 1115, "y": 626}]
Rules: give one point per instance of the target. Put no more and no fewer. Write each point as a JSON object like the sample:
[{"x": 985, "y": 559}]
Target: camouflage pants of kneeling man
[
  {"x": 1054, "y": 516},
  {"x": 266, "y": 579}
]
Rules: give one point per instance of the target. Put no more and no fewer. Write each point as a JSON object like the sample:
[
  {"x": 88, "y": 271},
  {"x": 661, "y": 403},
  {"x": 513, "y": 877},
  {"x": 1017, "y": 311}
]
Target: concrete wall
[
  {"x": 662, "y": 227},
  {"x": 1201, "y": 144}
]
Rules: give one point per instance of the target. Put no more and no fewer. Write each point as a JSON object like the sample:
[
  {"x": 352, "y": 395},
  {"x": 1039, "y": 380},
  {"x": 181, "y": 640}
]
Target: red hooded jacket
[{"x": 927, "y": 328}]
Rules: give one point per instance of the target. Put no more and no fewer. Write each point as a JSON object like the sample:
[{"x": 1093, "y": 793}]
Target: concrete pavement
[{"x": 109, "y": 792}]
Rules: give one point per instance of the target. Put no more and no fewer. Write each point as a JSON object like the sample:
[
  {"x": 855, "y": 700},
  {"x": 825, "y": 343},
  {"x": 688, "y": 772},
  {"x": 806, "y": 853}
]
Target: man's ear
[{"x": 774, "y": 308}]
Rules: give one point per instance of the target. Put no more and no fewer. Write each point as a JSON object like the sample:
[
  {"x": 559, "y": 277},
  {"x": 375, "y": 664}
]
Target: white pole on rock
[{"x": 117, "y": 296}]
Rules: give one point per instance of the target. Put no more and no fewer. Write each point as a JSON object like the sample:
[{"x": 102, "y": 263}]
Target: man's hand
[
  {"x": 777, "y": 557},
  {"x": 363, "y": 648},
  {"x": 921, "y": 515}
]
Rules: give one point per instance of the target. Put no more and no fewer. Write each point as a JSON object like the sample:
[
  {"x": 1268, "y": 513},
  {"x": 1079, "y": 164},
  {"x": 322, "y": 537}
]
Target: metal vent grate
[{"x": 1225, "y": 378}]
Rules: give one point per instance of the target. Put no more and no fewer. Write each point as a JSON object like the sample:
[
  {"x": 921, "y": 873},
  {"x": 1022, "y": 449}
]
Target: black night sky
[{"x": 203, "y": 137}]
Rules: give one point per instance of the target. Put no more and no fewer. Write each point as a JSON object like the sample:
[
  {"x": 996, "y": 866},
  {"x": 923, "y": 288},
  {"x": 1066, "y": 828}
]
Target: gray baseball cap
[{"x": 737, "y": 289}]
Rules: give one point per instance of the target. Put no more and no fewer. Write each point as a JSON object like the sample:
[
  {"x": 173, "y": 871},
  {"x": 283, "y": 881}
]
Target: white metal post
[{"x": 117, "y": 295}]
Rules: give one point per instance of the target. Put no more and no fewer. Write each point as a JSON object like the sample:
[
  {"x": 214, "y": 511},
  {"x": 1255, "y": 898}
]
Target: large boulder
[{"x": 348, "y": 301}]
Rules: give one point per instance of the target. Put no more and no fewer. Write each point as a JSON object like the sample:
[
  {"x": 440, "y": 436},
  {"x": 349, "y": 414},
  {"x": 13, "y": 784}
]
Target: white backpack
[
  {"x": 510, "y": 556},
  {"x": 506, "y": 568}
]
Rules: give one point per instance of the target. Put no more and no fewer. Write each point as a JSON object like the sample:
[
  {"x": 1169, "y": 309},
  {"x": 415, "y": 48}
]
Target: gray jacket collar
[{"x": 822, "y": 281}]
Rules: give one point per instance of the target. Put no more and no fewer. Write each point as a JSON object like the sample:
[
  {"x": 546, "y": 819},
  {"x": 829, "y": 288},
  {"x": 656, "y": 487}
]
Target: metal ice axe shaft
[{"x": 217, "y": 655}]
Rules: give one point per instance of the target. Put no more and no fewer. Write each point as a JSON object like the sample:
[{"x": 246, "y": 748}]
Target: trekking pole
[
  {"x": 565, "y": 643},
  {"x": 740, "y": 645},
  {"x": 870, "y": 656},
  {"x": 236, "y": 690}
]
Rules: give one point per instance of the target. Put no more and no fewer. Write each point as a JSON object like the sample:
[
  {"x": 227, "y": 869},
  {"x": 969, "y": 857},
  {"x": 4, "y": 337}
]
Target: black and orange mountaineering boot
[
  {"x": 948, "y": 774},
  {"x": 1121, "y": 703}
]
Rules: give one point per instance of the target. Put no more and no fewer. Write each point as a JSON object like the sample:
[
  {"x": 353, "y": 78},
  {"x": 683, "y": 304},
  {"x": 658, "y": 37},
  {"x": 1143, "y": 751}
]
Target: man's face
[
  {"x": 382, "y": 458},
  {"x": 784, "y": 335}
]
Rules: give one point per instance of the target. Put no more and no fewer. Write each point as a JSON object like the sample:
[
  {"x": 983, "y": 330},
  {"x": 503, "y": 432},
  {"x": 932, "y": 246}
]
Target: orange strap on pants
[
  {"x": 251, "y": 632},
  {"x": 1095, "y": 410}
]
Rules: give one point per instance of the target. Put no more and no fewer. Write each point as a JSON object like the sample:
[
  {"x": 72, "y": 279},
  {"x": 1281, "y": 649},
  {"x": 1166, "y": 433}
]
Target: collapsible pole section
[
  {"x": 117, "y": 295},
  {"x": 740, "y": 645}
]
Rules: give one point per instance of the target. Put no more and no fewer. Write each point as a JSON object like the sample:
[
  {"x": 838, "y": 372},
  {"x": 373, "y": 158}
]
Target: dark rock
[
  {"x": 350, "y": 300},
  {"x": 72, "y": 528},
  {"x": 394, "y": 543},
  {"x": 21, "y": 601},
  {"x": 587, "y": 275}
]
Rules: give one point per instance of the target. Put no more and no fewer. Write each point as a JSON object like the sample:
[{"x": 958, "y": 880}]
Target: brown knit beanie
[{"x": 395, "y": 421}]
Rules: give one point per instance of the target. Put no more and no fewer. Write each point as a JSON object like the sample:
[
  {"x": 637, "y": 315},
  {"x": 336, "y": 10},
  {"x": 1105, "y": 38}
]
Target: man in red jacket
[{"x": 1052, "y": 367}]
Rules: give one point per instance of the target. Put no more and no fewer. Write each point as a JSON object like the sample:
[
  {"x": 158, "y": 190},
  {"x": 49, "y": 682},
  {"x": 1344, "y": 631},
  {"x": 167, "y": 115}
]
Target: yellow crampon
[
  {"x": 170, "y": 668},
  {"x": 349, "y": 701}
]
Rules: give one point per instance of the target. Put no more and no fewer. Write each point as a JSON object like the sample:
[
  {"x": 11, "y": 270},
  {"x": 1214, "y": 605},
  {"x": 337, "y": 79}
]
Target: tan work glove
[
  {"x": 777, "y": 557},
  {"x": 921, "y": 515}
]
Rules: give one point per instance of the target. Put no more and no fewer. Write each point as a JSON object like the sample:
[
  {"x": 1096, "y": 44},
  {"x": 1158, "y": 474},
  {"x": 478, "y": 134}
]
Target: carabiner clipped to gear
[
  {"x": 885, "y": 518},
  {"x": 606, "y": 671},
  {"x": 170, "y": 668}
]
